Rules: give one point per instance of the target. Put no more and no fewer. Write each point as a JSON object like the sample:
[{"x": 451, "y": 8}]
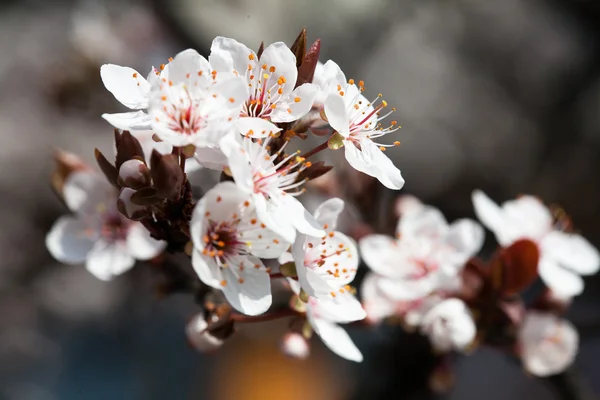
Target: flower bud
[
  {"x": 198, "y": 337},
  {"x": 129, "y": 209},
  {"x": 295, "y": 345},
  {"x": 134, "y": 174}
]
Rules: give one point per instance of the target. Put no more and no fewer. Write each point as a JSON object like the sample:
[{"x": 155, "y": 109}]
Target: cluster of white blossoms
[
  {"x": 420, "y": 277},
  {"x": 238, "y": 112},
  {"x": 230, "y": 113}
]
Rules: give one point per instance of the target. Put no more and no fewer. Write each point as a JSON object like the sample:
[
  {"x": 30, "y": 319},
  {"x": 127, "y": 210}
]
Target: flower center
[
  {"x": 266, "y": 89},
  {"x": 221, "y": 240}
]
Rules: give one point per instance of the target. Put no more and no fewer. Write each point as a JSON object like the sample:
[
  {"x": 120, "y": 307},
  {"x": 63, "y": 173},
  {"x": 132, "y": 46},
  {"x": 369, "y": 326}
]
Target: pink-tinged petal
[
  {"x": 488, "y": 212},
  {"x": 208, "y": 157},
  {"x": 376, "y": 304},
  {"x": 465, "y": 237},
  {"x": 274, "y": 217},
  {"x": 127, "y": 85},
  {"x": 199, "y": 337},
  {"x": 370, "y": 160},
  {"x": 255, "y": 128},
  {"x": 190, "y": 68},
  {"x": 134, "y": 120},
  {"x": 572, "y": 251},
  {"x": 549, "y": 344},
  {"x": 278, "y": 55},
  {"x": 337, "y": 114},
  {"x": 301, "y": 219},
  {"x": 106, "y": 260},
  {"x": 296, "y": 105},
  {"x": 328, "y": 212},
  {"x": 563, "y": 282},
  {"x": 380, "y": 254},
  {"x": 227, "y": 53},
  {"x": 68, "y": 241},
  {"x": 429, "y": 223},
  {"x": 141, "y": 245},
  {"x": 337, "y": 340},
  {"x": 247, "y": 290},
  {"x": 86, "y": 192},
  {"x": 206, "y": 269}
]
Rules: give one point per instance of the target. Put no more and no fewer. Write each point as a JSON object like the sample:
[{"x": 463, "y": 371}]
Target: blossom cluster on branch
[{"x": 245, "y": 114}]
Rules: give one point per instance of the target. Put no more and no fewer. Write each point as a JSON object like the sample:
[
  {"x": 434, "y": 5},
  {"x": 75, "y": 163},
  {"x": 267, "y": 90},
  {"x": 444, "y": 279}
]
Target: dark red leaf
[
  {"x": 109, "y": 170},
  {"x": 306, "y": 71},
  {"x": 299, "y": 48},
  {"x": 515, "y": 268},
  {"x": 261, "y": 48},
  {"x": 128, "y": 148},
  {"x": 167, "y": 175}
]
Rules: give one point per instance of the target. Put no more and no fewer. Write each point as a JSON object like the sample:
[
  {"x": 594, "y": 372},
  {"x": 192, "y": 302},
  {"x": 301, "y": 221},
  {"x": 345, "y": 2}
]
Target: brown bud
[
  {"x": 109, "y": 170},
  {"x": 167, "y": 175},
  {"x": 299, "y": 47},
  {"x": 128, "y": 147},
  {"x": 129, "y": 209},
  {"x": 134, "y": 174}
]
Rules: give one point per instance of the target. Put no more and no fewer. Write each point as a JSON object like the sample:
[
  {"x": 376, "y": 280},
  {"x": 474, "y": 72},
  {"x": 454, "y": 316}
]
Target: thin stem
[
  {"x": 316, "y": 150},
  {"x": 265, "y": 317},
  {"x": 277, "y": 275}
]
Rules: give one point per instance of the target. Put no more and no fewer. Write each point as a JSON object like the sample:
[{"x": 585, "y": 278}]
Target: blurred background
[{"x": 498, "y": 95}]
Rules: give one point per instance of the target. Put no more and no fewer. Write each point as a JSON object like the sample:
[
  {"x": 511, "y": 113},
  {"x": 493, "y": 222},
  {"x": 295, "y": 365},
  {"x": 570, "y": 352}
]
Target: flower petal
[
  {"x": 134, "y": 120},
  {"x": 337, "y": 115},
  {"x": 560, "y": 280},
  {"x": 247, "y": 290},
  {"x": 466, "y": 237},
  {"x": 408, "y": 289},
  {"x": 429, "y": 223},
  {"x": 278, "y": 55},
  {"x": 370, "y": 160},
  {"x": 379, "y": 253},
  {"x": 206, "y": 269},
  {"x": 141, "y": 245},
  {"x": 337, "y": 340},
  {"x": 208, "y": 157},
  {"x": 296, "y": 105},
  {"x": 227, "y": 53},
  {"x": 449, "y": 325},
  {"x": 190, "y": 68},
  {"x": 109, "y": 259},
  {"x": 68, "y": 241},
  {"x": 376, "y": 304},
  {"x": 255, "y": 128},
  {"x": 340, "y": 307},
  {"x": 327, "y": 213},
  {"x": 127, "y": 85},
  {"x": 85, "y": 192},
  {"x": 573, "y": 251},
  {"x": 301, "y": 219},
  {"x": 239, "y": 164},
  {"x": 274, "y": 217}
]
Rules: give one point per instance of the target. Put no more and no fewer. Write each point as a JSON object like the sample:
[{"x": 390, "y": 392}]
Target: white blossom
[
  {"x": 228, "y": 240},
  {"x": 295, "y": 345},
  {"x": 358, "y": 121},
  {"x": 564, "y": 256},
  {"x": 97, "y": 233},
  {"x": 548, "y": 344},
  {"x": 270, "y": 95},
  {"x": 427, "y": 255},
  {"x": 273, "y": 187}
]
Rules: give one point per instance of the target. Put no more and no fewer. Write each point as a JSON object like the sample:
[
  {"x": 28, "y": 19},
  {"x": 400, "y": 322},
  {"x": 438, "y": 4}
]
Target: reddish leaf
[
  {"x": 166, "y": 175},
  {"x": 109, "y": 170},
  {"x": 306, "y": 71},
  {"x": 128, "y": 147},
  {"x": 515, "y": 268},
  {"x": 299, "y": 48}
]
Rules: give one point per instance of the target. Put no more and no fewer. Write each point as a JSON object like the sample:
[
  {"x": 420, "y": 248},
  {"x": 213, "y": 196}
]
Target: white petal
[
  {"x": 226, "y": 52},
  {"x": 186, "y": 68},
  {"x": 488, "y": 212},
  {"x": 429, "y": 223},
  {"x": 407, "y": 290},
  {"x": 530, "y": 215},
  {"x": 327, "y": 213},
  {"x": 262, "y": 242},
  {"x": 134, "y": 120},
  {"x": 109, "y": 259},
  {"x": 297, "y": 105},
  {"x": 68, "y": 241},
  {"x": 239, "y": 163},
  {"x": 340, "y": 307},
  {"x": 206, "y": 269},
  {"x": 376, "y": 304},
  {"x": 255, "y": 128},
  {"x": 337, "y": 115},
  {"x": 233, "y": 89},
  {"x": 560, "y": 280},
  {"x": 337, "y": 340},
  {"x": 208, "y": 157},
  {"x": 378, "y": 252},
  {"x": 141, "y": 245},
  {"x": 301, "y": 219},
  {"x": 278, "y": 55},
  {"x": 86, "y": 192},
  {"x": 549, "y": 344},
  {"x": 274, "y": 217},
  {"x": 466, "y": 237},
  {"x": 370, "y": 160},
  {"x": 248, "y": 291},
  {"x": 450, "y": 325},
  {"x": 573, "y": 251},
  {"x": 127, "y": 85}
]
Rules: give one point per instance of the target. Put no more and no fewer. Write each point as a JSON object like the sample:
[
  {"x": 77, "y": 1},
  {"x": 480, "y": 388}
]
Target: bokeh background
[{"x": 501, "y": 95}]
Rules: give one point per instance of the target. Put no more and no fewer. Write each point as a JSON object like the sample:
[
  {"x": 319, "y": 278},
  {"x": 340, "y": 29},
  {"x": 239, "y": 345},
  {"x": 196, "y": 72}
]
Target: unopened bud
[
  {"x": 295, "y": 345},
  {"x": 288, "y": 270},
  {"x": 336, "y": 141},
  {"x": 198, "y": 337},
  {"x": 134, "y": 174},
  {"x": 129, "y": 209}
]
